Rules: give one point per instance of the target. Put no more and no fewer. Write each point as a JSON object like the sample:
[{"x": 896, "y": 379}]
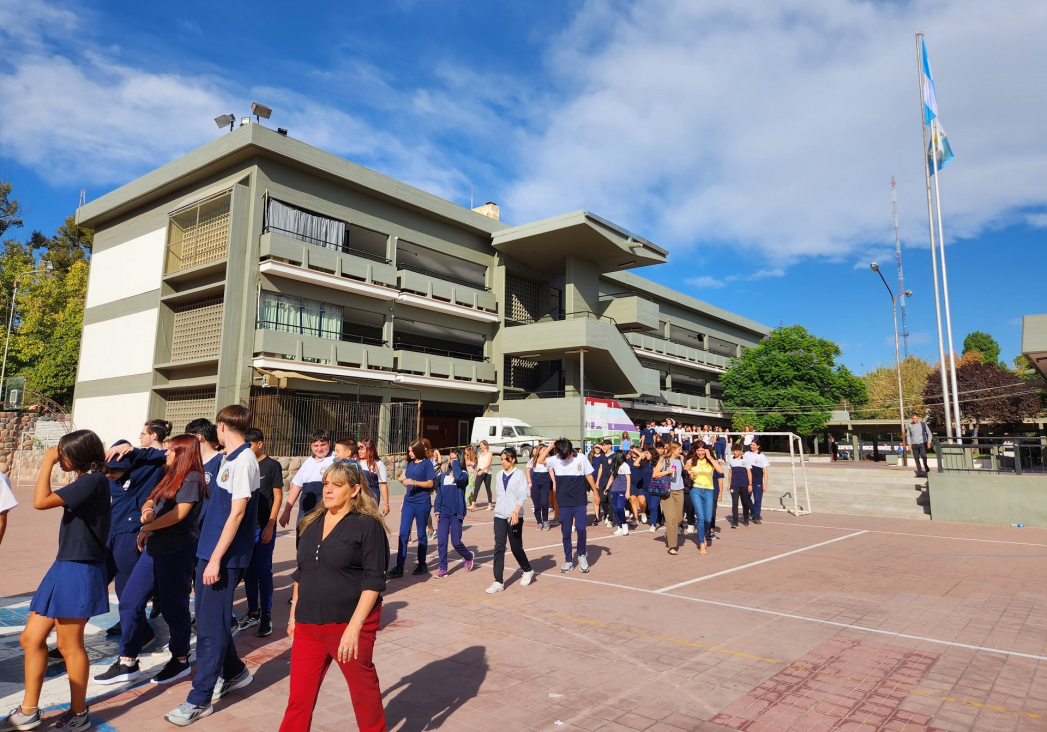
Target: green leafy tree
[
  {"x": 984, "y": 344},
  {"x": 790, "y": 382},
  {"x": 882, "y": 386},
  {"x": 10, "y": 210}
]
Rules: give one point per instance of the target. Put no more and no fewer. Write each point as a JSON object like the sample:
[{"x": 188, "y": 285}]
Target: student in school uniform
[
  {"x": 450, "y": 511},
  {"x": 602, "y": 475},
  {"x": 419, "y": 482},
  {"x": 308, "y": 482},
  {"x": 258, "y": 579},
  {"x": 541, "y": 484},
  {"x": 345, "y": 452},
  {"x": 510, "y": 496},
  {"x": 75, "y": 587},
  {"x": 374, "y": 471},
  {"x": 572, "y": 477},
  {"x": 760, "y": 468},
  {"x": 619, "y": 489},
  {"x": 7, "y": 502},
  {"x": 741, "y": 486},
  {"x": 223, "y": 553},
  {"x": 169, "y": 534}
]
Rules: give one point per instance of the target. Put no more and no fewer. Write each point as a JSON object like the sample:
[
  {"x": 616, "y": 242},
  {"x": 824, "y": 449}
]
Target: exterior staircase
[{"x": 853, "y": 490}]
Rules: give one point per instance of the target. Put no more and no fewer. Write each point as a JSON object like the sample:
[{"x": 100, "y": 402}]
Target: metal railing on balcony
[
  {"x": 441, "y": 276},
  {"x": 617, "y": 295},
  {"x": 1016, "y": 455},
  {"x": 334, "y": 335},
  {"x": 520, "y": 395},
  {"x": 401, "y": 346},
  {"x": 344, "y": 248}
]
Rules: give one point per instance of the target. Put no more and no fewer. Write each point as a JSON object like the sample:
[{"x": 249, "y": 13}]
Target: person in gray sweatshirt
[{"x": 511, "y": 494}]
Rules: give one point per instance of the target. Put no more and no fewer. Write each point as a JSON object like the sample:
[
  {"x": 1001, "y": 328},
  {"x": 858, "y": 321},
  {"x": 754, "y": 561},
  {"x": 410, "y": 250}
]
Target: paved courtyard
[{"x": 816, "y": 623}]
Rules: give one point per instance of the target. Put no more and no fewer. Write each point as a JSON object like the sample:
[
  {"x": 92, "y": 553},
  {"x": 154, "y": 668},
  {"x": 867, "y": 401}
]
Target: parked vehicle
[{"x": 501, "y": 432}]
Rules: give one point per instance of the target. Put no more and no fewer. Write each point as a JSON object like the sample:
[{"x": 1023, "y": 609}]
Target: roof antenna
[{"x": 470, "y": 193}]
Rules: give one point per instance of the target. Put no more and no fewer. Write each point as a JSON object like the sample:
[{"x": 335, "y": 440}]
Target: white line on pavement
[
  {"x": 760, "y": 561},
  {"x": 902, "y": 533}
]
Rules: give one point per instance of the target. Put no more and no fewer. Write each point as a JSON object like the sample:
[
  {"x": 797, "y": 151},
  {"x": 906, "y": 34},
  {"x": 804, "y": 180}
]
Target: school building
[{"x": 259, "y": 269}]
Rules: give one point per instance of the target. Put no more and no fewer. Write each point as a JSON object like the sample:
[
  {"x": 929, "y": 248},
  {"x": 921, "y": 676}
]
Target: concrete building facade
[{"x": 258, "y": 264}]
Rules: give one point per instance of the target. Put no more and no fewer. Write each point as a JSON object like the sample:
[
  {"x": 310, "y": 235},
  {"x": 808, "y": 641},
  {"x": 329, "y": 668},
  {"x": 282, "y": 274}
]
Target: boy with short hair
[
  {"x": 226, "y": 545},
  {"x": 308, "y": 482},
  {"x": 345, "y": 450},
  {"x": 258, "y": 580}
]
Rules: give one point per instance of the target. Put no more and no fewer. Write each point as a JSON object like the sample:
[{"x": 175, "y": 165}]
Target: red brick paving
[{"x": 598, "y": 657}]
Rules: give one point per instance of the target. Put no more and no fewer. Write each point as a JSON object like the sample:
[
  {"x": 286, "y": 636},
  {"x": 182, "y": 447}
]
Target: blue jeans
[
  {"x": 577, "y": 514},
  {"x": 654, "y": 504},
  {"x": 258, "y": 579},
  {"x": 703, "y": 501},
  {"x": 541, "y": 485},
  {"x": 757, "y": 498},
  {"x": 618, "y": 500},
  {"x": 170, "y": 576},
  {"x": 450, "y": 526},
  {"x": 215, "y": 650},
  {"x": 419, "y": 514}
]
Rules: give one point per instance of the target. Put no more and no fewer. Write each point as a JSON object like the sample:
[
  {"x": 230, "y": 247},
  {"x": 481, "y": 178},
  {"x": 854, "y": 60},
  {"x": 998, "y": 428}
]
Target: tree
[
  {"x": 790, "y": 382},
  {"x": 882, "y": 386},
  {"x": 984, "y": 344},
  {"x": 988, "y": 395},
  {"x": 10, "y": 210}
]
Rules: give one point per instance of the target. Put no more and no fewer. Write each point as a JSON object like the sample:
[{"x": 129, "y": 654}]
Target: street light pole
[
  {"x": 897, "y": 356},
  {"x": 47, "y": 268}
]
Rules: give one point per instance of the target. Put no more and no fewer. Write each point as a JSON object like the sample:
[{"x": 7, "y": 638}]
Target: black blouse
[{"x": 333, "y": 572}]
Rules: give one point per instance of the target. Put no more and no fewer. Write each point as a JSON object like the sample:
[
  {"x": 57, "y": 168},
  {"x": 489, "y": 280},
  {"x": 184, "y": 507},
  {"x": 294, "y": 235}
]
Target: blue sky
[{"x": 755, "y": 141}]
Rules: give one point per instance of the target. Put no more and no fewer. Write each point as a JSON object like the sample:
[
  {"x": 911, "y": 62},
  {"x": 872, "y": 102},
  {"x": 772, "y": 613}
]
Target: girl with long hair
[
  {"x": 470, "y": 467},
  {"x": 419, "y": 481},
  {"x": 540, "y": 483},
  {"x": 703, "y": 468},
  {"x": 374, "y": 472},
  {"x": 484, "y": 458},
  {"x": 672, "y": 505},
  {"x": 75, "y": 588},
  {"x": 336, "y": 602},
  {"x": 169, "y": 535},
  {"x": 620, "y": 483}
]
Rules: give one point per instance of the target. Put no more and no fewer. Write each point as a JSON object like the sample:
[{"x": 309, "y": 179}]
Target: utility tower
[{"x": 898, "y": 251}]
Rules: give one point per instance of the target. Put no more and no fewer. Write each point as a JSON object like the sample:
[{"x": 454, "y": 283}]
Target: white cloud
[
  {"x": 707, "y": 282},
  {"x": 764, "y": 273},
  {"x": 779, "y": 125},
  {"x": 1037, "y": 221}
]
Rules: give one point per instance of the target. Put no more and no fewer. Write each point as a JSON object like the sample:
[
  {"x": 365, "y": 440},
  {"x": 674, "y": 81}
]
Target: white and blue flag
[{"x": 939, "y": 152}]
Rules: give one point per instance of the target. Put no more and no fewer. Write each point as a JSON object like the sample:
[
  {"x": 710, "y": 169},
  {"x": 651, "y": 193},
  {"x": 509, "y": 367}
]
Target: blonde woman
[
  {"x": 672, "y": 505},
  {"x": 483, "y": 472},
  {"x": 470, "y": 467},
  {"x": 337, "y": 600}
]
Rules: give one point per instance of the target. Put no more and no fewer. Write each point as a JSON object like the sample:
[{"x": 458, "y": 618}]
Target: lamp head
[
  {"x": 874, "y": 267},
  {"x": 225, "y": 120},
  {"x": 908, "y": 293},
  {"x": 260, "y": 110},
  {"x": 49, "y": 265}
]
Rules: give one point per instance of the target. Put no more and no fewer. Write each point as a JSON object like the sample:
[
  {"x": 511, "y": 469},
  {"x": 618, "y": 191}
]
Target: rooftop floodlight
[
  {"x": 874, "y": 267},
  {"x": 225, "y": 119},
  {"x": 260, "y": 110}
]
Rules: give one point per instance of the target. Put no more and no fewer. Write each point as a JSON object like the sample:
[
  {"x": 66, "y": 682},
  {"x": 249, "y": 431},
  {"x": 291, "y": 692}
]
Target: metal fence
[
  {"x": 288, "y": 418},
  {"x": 1007, "y": 454}
]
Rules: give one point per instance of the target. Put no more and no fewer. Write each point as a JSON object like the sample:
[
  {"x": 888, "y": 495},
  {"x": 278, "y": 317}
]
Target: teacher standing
[{"x": 336, "y": 605}]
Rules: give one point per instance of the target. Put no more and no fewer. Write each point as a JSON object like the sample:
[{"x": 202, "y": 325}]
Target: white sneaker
[
  {"x": 625, "y": 530},
  {"x": 618, "y": 532},
  {"x": 652, "y": 529},
  {"x": 567, "y": 567},
  {"x": 495, "y": 587},
  {"x": 689, "y": 530},
  {"x": 607, "y": 523},
  {"x": 573, "y": 529},
  {"x": 643, "y": 518},
  {"x": 583, "y": 563},
  {"x": 528, "y": 578}
]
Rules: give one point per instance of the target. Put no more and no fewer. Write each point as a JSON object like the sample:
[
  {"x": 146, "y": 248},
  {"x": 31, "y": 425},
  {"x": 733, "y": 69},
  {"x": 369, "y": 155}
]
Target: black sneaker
[
  {"x": 172, "y": 671},
  {"x": 119, "y": 673},
  {"x": 114, "y": 630},
  {"x": 234, "y": 624},
  {"x": 74, "y": 722},
  {"x": 265, "y": 626},
  {"x": 396, "y": 573},
  {"x": 248, "y": 621},
  {"x": 420, "y": 569}
]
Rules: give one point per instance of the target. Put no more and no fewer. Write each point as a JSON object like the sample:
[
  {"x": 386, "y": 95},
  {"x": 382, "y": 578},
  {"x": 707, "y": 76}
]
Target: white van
[{"x": 501, "y": 432}]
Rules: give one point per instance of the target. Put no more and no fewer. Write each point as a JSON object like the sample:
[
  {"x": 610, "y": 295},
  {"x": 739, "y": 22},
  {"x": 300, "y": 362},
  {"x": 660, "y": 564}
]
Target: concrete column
[
  {"x": 238, "y": 313},
  {"x": 582, "y": 291},
  {"x": 387, "y": 329},
  {"x": 390, "y": 248},
  {"x": 856, "y": 444}
]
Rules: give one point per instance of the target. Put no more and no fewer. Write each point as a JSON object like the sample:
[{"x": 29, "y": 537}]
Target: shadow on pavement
[{"x": 434, "y": 692}]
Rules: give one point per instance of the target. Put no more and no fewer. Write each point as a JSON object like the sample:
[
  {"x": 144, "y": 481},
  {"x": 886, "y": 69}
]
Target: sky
[{"x": 755, "y": 141}]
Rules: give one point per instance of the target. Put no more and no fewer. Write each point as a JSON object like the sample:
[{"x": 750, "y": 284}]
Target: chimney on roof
[{"x": 489, "y": 209}]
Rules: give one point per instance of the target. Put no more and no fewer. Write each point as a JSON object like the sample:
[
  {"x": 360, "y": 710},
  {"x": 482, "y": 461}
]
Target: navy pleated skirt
[{"x": 72, "y": 590}]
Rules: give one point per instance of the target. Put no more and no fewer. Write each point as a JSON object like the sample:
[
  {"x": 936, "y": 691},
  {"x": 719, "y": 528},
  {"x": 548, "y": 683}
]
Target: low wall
[{"x": 987, "y": 498}]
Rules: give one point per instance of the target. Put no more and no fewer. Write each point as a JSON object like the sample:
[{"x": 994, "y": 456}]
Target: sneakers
[
  {"x": 653, "y": 528},
  {"x": 17, "y": 720},
  {"x": 396, "y": 573},
  {"x": 583, "y": 563},
  {"x": 172, "y": 671},
  {"x": 440, "y": 573},
  {"x": 420, "y": 569},
  {"x": 620, "y": 531},
  {"x": 495, "y": 587},
  {"x": 470, "y": 562},
  {"x": 690, "y": 530},
  {"x": 119, "y": 672},
  {"x": 430, "y": 534},
  {"x": 546, "y": 526},
  {"x": 187, "y": 713},
  {"x": 114, "y": 629},
  {"x": 248, "y": 621},
  {"x": 643, "y": 518},
  {"x": 265, "y": 626},
  {"x": 528, "y": 578},
  {"x": 607, "y": 523},
  {"x": 74, "y": 722},
  {"x": 573, "y": 528},
  {"x": 554, "y": 522},
  {"x": 567, "y": 567},
  {"x": 224, "y": 686}
]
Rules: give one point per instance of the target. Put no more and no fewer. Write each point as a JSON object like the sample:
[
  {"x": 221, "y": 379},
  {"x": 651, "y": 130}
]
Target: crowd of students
[{"x": 191, "y": 516}]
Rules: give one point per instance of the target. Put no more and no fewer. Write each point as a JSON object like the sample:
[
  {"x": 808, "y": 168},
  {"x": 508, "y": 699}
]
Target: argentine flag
[{"x": 939, "y": 152}]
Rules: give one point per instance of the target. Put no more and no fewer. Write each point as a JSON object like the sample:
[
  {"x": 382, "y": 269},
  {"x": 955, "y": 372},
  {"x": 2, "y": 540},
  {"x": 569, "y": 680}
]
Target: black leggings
[{"x": 485, "y": 481}]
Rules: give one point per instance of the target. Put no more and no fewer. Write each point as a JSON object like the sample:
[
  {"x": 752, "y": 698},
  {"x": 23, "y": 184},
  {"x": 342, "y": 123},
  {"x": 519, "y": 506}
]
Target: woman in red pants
[{"x": 343, "y": 552}]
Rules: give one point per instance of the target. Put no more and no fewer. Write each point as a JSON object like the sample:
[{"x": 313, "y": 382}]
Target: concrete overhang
[
  {"x": 544, "y": 244},
  {"x": 1034, "y": 342}
]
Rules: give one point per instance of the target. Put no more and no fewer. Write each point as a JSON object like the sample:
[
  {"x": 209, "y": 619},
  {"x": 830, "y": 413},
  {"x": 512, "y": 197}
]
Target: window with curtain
[
  {"x": 303, "y": 225},
  {"x": 297, "y": 315}
]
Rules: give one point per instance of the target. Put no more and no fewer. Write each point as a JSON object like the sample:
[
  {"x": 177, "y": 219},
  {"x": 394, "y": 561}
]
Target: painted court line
[
  {"x": 760, "y": 561},
  {"x": 902, "y": 533}
]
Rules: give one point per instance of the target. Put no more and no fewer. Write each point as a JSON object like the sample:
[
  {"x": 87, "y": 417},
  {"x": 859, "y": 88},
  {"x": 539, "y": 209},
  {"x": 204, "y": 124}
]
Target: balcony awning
[{"x": 544, "y": 245}]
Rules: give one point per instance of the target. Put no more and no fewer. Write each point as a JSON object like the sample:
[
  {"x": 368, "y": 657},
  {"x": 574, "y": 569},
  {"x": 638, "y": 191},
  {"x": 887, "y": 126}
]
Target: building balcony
[
  {"x": 669, "y": 352},
  {"x": 341, "y": 262},
  {"x": 435, "y": 291},
  {"x": 631, "y": 310},
  {"x": 362, "y": 353},
  {"x": 444, "y": 364}
]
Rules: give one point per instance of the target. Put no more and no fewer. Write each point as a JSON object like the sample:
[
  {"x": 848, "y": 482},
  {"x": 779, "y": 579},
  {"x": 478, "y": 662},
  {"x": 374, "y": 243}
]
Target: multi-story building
[{"x": 260, "y": 269}]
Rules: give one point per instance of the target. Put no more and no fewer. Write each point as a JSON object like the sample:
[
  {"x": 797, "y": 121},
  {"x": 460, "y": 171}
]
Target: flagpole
[
  {"x": 945, "y": 297},
  {"x": 934, "y": 254}
]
